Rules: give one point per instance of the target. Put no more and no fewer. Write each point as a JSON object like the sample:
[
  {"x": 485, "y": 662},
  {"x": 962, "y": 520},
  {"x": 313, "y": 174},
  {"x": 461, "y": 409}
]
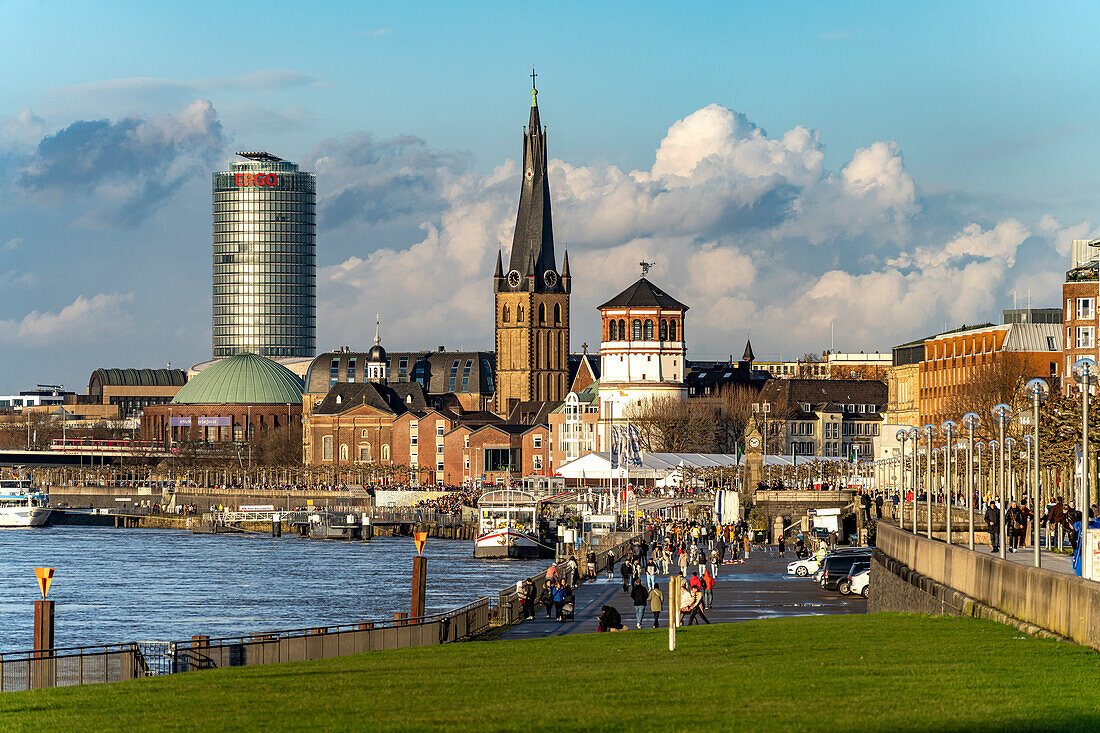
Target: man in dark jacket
[
  {"x": 993, "y": 521},
  {"x": 639, "y": 595}
]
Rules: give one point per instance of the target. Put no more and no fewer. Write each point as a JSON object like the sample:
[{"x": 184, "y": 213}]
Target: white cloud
[
  {"x": 752, "y": 232},
  {"x": 82, "y": 320}
]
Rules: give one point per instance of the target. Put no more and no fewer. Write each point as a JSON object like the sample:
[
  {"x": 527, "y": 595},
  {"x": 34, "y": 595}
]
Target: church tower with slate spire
[{"x": 532, "y": 297}]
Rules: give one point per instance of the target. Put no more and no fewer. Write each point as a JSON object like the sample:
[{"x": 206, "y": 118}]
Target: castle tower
[{"x": 532, "y": 298}]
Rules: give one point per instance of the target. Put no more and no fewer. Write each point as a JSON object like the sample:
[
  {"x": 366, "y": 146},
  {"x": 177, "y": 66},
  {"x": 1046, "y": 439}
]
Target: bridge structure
[{"x": 88, "y": 457}]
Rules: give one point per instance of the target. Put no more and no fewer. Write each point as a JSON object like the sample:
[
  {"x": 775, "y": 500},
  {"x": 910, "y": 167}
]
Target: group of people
[{"x": 453, "y": 502}]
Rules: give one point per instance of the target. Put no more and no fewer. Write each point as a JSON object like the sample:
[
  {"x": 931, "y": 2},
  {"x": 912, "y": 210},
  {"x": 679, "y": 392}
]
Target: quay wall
[{"x": 914, "y": 574}]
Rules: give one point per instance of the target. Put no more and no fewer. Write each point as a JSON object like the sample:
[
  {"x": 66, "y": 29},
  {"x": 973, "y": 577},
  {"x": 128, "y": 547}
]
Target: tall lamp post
[
  {"x": 929, "y": 432},
  {"x": 903, "y": 436},
  {"x": 1084, "y": 373},
  {"x": 1039, "y": 391},
  {"x": 993, "y": 445},
  {"x": 948, "y": 428},
  {"x": 970, "y": 421},
  {"x": 1010, "y": 483},
  {"x": 1001, "y": 414},
  {"x": 914, "y": 436}
]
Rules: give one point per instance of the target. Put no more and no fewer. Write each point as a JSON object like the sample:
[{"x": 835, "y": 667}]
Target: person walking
[
  {"x": 527, "y": 599},
  {"x": 639, "y": 595},
  {"x": 627, "y": 572},
  {"x": 610, "y": 567},
  {"x": 993, "y": 522},
  {"x": 708, "y": 590},
  {"x": 683, "y": 563},
  {"x": 782, "y": 544},
  {"x": 656, "y": 601},
  {"x": 715, "y": 561},
  {"x": 694, "y": 608},
  {"x": 650, "y": 574},
  {"x": 546, "y": 597},
  {"x": 558, "y": 596}
]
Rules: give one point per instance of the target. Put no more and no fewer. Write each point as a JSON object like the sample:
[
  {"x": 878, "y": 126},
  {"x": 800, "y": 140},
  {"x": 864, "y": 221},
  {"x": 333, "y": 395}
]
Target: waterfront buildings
[
  {"x": 1080, "y": 294},
  {"x": 962, "y": 370},
  {"x": 831, "y": 418},
  {"x": 265, "y": 270},
  {"x": 132, "y": 390}
]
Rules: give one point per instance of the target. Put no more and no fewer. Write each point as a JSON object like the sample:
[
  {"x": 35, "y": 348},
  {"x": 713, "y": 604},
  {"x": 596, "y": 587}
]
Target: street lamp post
[
  {"x": 948, "y": 428},
  {"x": 929, "y": 431},
  {"x": 971, "y": 421},
  {"x": 1085, "y": 374},
  {"x": 903, "y": 436},
  {"x": 993, "y": 445},
  {"x": 1001, "y": 413},
  {"x": 1010, "y": 482},
  {"x": 914, "y": 436},
  {"x": 1039, "y": 391}
]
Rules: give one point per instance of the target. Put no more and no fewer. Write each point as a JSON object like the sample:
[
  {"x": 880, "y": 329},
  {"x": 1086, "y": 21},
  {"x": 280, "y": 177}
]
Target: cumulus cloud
[
  {"x": 751, "y": 231},
  {"x": 119, "y": 171},
  {"x": 82, "y": 320}
]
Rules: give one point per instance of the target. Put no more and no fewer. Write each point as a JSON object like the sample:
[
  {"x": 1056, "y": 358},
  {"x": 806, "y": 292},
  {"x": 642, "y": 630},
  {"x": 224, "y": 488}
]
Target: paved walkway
[{"x": 759, "y": 588}]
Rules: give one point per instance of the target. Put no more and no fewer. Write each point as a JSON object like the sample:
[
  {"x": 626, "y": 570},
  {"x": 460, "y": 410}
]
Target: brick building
[{"x": 835, "y": 418}]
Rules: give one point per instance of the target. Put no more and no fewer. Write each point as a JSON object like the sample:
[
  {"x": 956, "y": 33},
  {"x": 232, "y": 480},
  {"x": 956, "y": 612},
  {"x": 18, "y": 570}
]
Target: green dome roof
[{"x": 244, "y": 379}]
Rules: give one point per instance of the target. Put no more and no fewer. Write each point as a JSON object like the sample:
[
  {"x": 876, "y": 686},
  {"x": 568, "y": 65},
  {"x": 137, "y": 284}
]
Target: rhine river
[{"x": 120, "y": 585}]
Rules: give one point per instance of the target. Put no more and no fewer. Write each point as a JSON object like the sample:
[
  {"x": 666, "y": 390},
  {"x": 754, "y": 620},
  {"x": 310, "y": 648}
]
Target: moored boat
[
  {"x": 21, "y": 505},
  {"x": 508, "y": 526}
]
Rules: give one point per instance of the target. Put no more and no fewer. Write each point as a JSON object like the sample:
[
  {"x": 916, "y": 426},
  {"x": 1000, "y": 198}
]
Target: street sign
[{"x": 45, "y": 577}]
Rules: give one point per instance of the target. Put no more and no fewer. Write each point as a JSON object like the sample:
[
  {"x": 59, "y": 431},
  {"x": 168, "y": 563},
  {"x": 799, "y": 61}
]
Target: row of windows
[
  {"x": 640, "y": 330},
  {"x": 284, "y": 319},
  {"x": 271, "y": 284},
  {"x": 245, "y": 269},
  {"x": 265, "y": 333},
  {"x": 278, "y": 202},
  {"x": 270, "y": 232},
  {"x": 250, "y": 258},
  {"x": 229, "y": 304},
  {"x": 225, "y": 186},
  {"x": 306, "y": 345},
  {"x": 506, "y": 316},
  {"x": 245, "y": 247}
]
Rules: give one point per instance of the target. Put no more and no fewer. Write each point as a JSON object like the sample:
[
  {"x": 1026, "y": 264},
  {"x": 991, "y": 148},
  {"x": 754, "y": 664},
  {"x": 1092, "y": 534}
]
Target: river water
[{"x": 119, "y": 585}]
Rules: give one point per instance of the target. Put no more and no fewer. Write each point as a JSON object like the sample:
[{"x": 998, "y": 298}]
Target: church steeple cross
[{"x": 533, "y": 75}]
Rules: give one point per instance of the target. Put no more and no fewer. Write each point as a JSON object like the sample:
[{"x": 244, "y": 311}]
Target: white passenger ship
[
  {"x": 508, "y": 525},
  {"x": 21, "y": 505}
]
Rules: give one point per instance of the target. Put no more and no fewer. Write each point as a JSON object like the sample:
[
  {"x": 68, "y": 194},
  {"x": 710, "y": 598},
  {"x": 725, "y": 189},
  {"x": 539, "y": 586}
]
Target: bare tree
[
  {"x": 806, "y": 365},
  {"x": 988, "y": 385},
  {"x": 670, "y": 424}
]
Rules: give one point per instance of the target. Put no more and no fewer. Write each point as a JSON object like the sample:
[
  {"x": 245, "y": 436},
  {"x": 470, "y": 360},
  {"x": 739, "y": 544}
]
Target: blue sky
[{"x": 983, "y": 114}]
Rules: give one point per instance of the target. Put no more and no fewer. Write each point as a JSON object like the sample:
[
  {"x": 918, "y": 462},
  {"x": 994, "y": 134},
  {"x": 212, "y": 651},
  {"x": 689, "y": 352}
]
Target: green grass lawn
[{"x": 845, "y": 673}]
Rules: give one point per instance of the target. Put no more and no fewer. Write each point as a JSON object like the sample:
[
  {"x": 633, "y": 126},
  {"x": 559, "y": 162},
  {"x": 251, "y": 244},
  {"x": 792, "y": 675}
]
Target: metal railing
[
  {"x": 81, "y": 665},
  {"x": 68, "y": 666}
]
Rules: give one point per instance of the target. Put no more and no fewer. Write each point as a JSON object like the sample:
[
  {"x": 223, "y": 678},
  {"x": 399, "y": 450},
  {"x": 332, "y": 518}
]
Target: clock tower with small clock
[{"x": 532, "y": 296}]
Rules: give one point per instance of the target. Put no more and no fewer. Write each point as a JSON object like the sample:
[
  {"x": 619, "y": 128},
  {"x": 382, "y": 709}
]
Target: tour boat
[
  {"x": 508, "y": 526},
  {"x": 21, "y": 506}
]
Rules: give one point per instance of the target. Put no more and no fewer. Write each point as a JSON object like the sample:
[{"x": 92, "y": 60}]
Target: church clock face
[
  {"x": 754, "y": 442},
  {"x": 550, "y": 278},
  {"x": 513, "y": 278}
]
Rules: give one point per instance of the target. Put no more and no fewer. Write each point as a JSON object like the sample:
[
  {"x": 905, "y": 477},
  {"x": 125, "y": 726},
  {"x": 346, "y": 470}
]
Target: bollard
[
  {"x": 419, "y": 581},
  {"x": 673, "y": 610},
  {"x": 276, "y": 526}
]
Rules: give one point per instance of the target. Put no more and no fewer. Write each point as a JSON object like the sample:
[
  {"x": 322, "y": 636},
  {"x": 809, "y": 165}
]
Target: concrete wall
[{"x": 1061, "y": 604}]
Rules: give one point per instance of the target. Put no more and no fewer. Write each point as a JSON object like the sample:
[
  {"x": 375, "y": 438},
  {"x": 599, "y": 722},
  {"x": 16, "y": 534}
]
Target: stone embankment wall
[{"x": 914, "y": 574}]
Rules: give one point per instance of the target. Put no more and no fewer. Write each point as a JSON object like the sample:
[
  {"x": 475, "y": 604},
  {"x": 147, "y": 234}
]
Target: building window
[
  {"x": 343, "y": 452},
  {"x": 557, "y": 314},
  {"x": 672, "y": 330},
  {"x": 364, "y": 454},
  {"x": 507, "y": 317},
  {"x": 622, "y": 330},
  {"x": 439, "y": 449},
  {"x": 537, "y": 441},
  {"x": 612, "y": 330},
  {"x": 326, "y": 448},
  {"x": 648, "y": 332},
  {"x": 1086, "y": 309},
  {"x": 1085, "y": 337},
  {"x": 439, "y": 427},
  {"x": 439, "y": 466},
  {"x": 385, "y": 453},
  {"x": 663, "y": 333},
  {"x": 636, "y": 330},
  {"x": 466, "y": 441},
  {"x": 538, "y": 463}
]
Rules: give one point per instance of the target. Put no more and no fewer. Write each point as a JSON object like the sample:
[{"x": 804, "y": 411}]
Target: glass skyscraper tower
[{"x": 265, "y": 261}]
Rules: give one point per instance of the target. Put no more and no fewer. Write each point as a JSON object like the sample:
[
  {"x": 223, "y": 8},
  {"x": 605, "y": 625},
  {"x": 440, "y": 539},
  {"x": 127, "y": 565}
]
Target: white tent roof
[{"x": 596, "y": 464}]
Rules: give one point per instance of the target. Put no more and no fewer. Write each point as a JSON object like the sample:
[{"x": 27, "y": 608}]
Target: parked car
[
  {"x": 804, "y": 567},
  {"x": 858, "y": 582},
  {"x": 836, "y": 568},
  {"x": 844, "y": 585}
]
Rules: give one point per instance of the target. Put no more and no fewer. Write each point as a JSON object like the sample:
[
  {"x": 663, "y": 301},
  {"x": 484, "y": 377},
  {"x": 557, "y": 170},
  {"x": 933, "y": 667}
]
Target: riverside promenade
[{"x": 759, "y": 588}]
